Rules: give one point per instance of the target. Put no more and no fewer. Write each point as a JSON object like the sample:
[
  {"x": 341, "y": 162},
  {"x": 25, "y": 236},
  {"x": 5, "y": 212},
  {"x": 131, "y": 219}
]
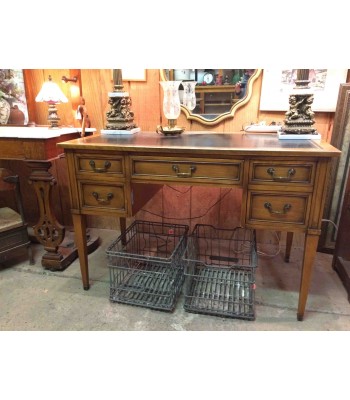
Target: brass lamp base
[
  {"x": 171, "y": 129},
  {"x": 53, "y": 117},
  {"x": 300, "y": 118}
]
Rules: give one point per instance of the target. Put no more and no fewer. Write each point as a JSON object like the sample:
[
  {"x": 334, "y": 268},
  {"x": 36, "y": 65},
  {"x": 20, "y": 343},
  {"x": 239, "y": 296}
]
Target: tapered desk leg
[
  {"x": 122, "y": 221},
  {"x": 310, "y": 248},
  {"x": 289, "y": 242},
  {"x": 79, "y": 222}
]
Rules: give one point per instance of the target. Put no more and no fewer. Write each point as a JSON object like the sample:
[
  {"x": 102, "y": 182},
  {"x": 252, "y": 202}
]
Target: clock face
[{"x": 208, "y": 78}]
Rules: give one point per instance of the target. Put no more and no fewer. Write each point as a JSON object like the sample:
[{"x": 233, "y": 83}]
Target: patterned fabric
[{"x": 9, "y": 219}]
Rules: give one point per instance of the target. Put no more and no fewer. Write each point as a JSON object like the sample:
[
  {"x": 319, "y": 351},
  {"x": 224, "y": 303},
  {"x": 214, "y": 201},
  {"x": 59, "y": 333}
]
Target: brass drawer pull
[
  {"x": 184, "y": 174},
  {"x": 103, "y": 201},
  {"x": 286, "y": 208},
  {"x": 291, "y": 172},
  {"x": 106, "y": 166}
]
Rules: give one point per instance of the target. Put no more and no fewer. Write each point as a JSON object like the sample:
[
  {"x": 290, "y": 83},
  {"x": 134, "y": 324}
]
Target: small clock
[{"x": 208, "y": 78}]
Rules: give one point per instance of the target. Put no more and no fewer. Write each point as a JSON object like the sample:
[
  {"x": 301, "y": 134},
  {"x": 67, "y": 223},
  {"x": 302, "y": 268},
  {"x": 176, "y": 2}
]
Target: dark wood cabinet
[{"x": 341, "y": 257}]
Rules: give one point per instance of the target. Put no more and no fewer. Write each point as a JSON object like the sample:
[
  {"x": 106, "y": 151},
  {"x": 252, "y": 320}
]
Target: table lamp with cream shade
[{"x": 52, "y": 94}]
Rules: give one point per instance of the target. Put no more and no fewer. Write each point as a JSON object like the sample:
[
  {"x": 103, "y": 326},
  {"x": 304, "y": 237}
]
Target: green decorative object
[{"x": 237, "y": 75}]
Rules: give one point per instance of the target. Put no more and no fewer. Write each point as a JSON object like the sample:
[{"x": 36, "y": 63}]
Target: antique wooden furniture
[
  {"x": 37, "y": 147},
  {"x": 341, "y": 257},
  {"x": 284, "y": 181},
  {"x": 13, "y": 229}
]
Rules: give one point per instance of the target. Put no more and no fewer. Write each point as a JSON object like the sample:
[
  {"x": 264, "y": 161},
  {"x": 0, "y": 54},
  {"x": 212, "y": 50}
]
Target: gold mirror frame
[{"x": 220, "y": 117}]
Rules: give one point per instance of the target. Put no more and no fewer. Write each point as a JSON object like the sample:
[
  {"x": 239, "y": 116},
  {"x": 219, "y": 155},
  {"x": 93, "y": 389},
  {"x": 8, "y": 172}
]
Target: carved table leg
[{"x": 48, "y": 231}]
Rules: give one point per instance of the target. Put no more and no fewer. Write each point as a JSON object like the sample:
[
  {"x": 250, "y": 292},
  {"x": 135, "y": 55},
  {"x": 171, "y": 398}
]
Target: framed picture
[
  {"x": 340, "y": 170},
  {"x": 277, "y": 85},
  {"x": 133, "y": 74},
  {"x": 13, "y": 103}
]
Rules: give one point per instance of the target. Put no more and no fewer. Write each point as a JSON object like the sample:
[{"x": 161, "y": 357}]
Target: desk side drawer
[
  {"x": 102, "y": 197},
  {"x": 282, "y": 172},
  {"x": 277, "y": 208},
  {"x": 190, "y": 171},
  {"x": 99, "y": 164}
]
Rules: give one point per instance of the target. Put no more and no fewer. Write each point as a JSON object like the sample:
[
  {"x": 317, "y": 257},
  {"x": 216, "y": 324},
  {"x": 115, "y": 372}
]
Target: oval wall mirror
[{"x": 219, "y": 92}]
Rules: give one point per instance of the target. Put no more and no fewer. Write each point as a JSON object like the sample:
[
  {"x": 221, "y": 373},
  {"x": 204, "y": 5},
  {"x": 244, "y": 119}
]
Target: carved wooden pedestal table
[{"x": 37, "y": 147}]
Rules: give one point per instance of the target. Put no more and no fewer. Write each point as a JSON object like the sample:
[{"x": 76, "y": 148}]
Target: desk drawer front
[
  {"x": 282, "y": 172},
  {"x": 273, "y": 207},
  {"x": 195, "y": 170},
  {"x": 101, "y": 165},
  {"x": 101, "y": 196}
]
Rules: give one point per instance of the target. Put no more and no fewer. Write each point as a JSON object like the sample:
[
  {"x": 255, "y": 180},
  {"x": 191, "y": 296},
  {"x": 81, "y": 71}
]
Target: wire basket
[
  {"x": 145, "y": 265},
  {"x": 220, "y": 272}
]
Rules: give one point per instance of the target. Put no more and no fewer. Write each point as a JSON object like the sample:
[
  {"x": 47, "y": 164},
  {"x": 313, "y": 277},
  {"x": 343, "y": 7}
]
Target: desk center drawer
[{"x": 188, "y": 170}]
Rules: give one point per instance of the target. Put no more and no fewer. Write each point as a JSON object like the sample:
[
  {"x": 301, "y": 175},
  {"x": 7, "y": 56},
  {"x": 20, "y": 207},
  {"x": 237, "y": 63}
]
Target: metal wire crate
[
  {"x": 220, "y": 272},
  {"x": 145, "y": 265}
]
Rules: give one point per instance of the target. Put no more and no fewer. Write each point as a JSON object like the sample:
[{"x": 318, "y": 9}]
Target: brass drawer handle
[
  {"x": 184, "y": 174},
  {"x": 99, "y": 170},
  {"x": 291, "y": 172},
  {"x": 286, "y": 208},
  {"x": 103, "y": 201}
]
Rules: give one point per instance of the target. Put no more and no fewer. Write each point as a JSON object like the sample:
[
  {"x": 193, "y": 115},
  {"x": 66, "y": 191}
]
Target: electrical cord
[
  {"x": 328, "y": 220},
  {"x": 179, "y": 191},
  {"x": 259, "y": 252},
  {"x": 190, "y": 218}
]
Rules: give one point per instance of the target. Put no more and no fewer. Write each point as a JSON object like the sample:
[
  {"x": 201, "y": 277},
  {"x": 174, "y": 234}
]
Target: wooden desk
[
  {"x": 37, "y": 146},
  {"x": 283, "y": 181}
]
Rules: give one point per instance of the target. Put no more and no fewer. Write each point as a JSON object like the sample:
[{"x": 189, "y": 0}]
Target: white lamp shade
[{"x": 51, "y": 93}]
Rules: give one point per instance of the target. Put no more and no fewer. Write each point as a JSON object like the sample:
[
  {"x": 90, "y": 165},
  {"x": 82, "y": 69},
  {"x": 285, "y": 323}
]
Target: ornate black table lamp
[
  {"x": 299, "y": 119},
  {"x": 120, "y": 119}
]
